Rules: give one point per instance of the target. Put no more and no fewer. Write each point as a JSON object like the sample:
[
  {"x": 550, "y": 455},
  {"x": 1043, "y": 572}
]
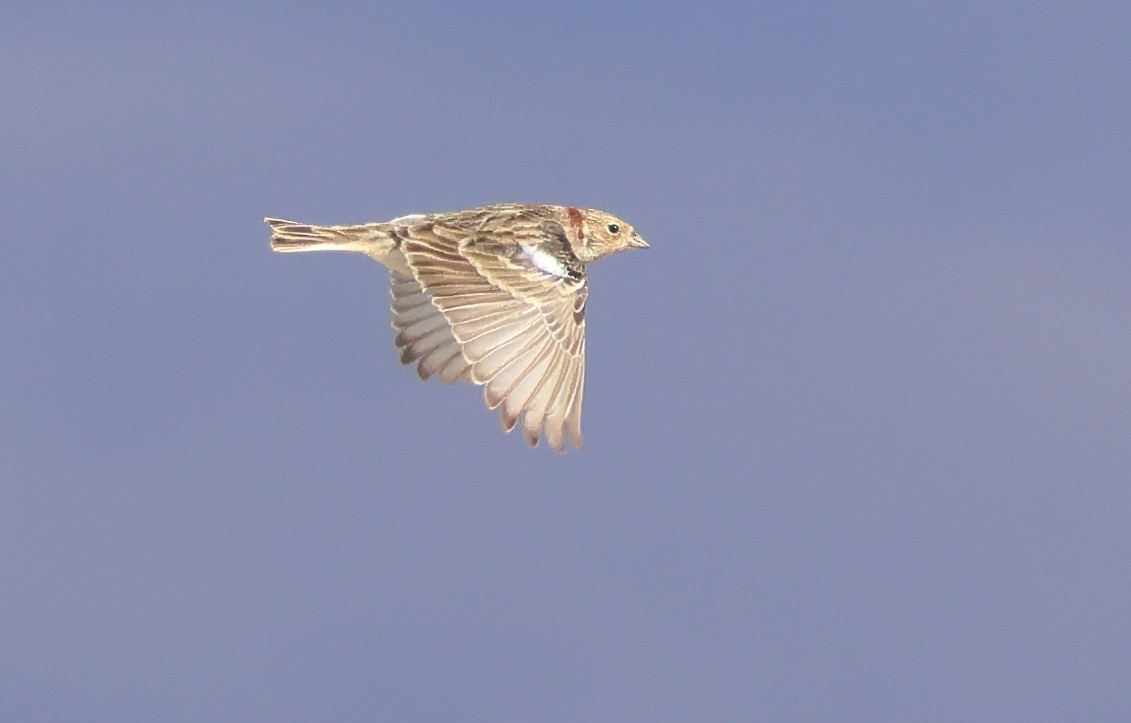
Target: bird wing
[
  {"x": 424, "y": 335},
  {"x": 491, "y": 313}
]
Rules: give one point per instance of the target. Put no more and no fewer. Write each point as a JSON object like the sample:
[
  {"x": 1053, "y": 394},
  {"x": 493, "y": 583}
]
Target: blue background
[{"x": 858, "y": 425}]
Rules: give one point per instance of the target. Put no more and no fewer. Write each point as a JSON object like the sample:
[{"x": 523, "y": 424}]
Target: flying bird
[{"x": 493, "y": 295}]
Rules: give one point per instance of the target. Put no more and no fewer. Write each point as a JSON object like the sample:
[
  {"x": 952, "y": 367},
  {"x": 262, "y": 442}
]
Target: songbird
[{"x": 493, "y": 295}]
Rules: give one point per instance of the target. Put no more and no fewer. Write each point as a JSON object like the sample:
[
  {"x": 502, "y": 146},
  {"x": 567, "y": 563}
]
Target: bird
[{"x": 493, "y": 295}]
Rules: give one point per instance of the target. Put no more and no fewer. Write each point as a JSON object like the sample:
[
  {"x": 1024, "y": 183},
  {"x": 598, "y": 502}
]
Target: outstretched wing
[
  {"x": 509, "y": 316},
  {"x": 424, "y": 335}
]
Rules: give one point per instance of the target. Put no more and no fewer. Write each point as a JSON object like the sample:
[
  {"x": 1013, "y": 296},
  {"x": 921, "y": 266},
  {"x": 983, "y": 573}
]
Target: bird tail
[{"x": 295, "y": 236}]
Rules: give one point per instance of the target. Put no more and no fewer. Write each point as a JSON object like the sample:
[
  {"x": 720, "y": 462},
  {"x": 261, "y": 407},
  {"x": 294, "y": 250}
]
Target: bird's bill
[{"x": 637, "y": 242}]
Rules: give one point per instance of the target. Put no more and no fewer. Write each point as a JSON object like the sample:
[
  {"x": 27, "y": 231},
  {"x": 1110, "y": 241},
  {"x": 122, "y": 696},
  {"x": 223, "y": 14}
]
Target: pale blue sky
[{"x": 858, "y": 425}]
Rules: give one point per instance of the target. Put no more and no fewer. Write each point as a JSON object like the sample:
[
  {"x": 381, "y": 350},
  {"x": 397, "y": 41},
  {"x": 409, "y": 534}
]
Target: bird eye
[{"x": 613, "y": 228}]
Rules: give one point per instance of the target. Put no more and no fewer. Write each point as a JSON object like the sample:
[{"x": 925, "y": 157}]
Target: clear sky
[{"x": 858, "y": 425}]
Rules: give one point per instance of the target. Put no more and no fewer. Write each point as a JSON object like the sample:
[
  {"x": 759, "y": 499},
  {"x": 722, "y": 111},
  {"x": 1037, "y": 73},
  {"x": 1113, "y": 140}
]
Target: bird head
[{"x": 602, "y": 234}]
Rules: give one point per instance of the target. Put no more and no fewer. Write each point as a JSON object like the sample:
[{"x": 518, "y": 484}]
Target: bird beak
[{"x": 637, "y": 242}]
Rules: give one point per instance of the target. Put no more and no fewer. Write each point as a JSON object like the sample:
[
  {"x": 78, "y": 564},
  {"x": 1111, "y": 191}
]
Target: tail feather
[{"x": 295, "y": 236}]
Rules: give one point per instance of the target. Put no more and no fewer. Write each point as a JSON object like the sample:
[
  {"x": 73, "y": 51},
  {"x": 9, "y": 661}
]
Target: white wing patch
[
  {"x": 410, "y": 218},
  {"x": 546, "y": 262}
]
